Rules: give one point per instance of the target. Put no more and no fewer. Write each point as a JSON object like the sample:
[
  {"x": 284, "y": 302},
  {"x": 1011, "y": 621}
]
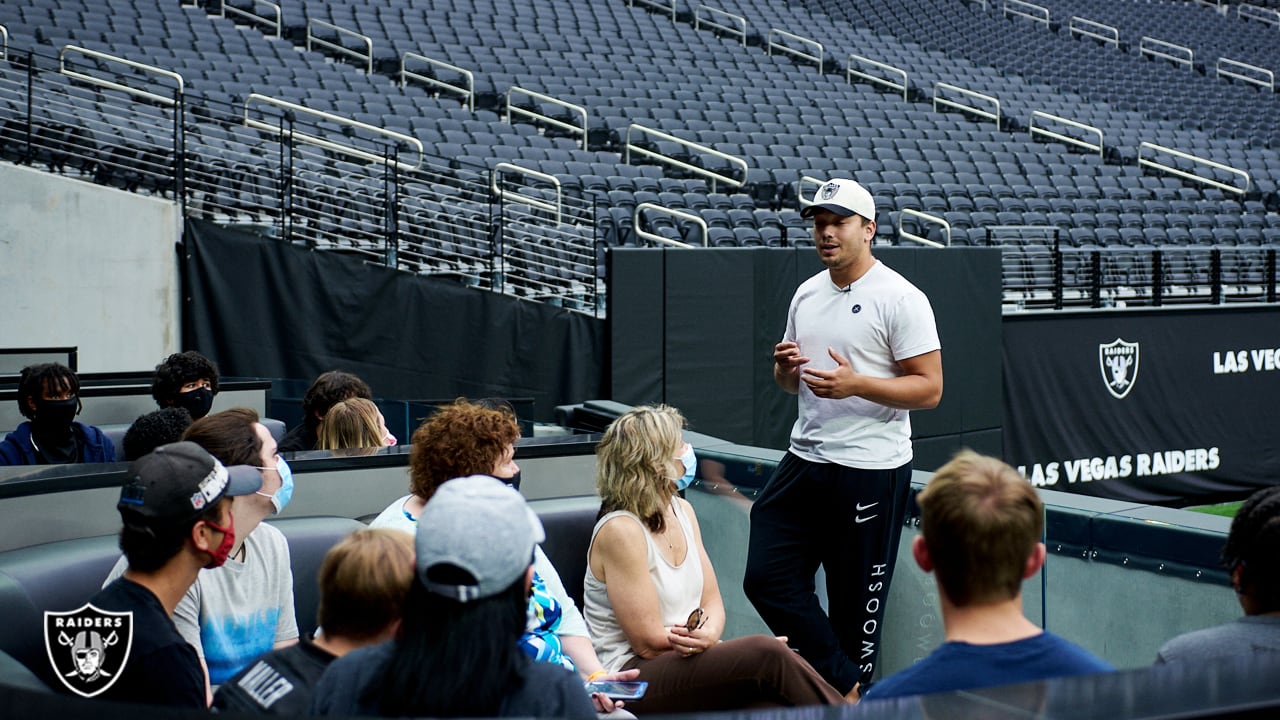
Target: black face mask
[
  {"x": 54, "y": 417},
  {"x": 51, "y": 430},
  {"x": 513, "y": 481},
  {"x": 197, "y": 402}
]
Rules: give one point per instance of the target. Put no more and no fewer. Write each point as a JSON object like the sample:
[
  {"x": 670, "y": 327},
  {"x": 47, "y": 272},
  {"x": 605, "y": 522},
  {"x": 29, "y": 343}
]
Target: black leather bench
[{"x": 64, "y": 575}]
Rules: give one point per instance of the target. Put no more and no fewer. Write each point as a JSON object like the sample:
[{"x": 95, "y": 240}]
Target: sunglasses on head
[{"x": 697, "y": 619}]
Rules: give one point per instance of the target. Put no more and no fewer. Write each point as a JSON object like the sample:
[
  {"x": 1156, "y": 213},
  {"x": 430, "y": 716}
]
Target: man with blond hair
[{"x": 981, "y": 524}]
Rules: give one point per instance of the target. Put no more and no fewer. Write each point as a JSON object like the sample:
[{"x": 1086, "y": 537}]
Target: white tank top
[{"x": 679, "y": 592}]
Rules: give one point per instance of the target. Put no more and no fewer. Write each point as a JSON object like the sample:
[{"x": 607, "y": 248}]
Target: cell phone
[{"x": 618, "y": 689}]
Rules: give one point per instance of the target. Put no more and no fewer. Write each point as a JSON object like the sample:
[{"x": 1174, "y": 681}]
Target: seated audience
[
  {"x": 652, "y": 599},
  {"x": 186, "y": 380},
  {"x": 176, "y": 512},
  {"x": 354, "y": 423},
  {"x": 980, "y": 529},
  {"x": 327, "y": 389},
  {"x": 455, "y": 654},
  {"x": 363, "y": 580},
  {"x": 243, "y": 609},
  {"x": 156, "y": 428},
  {"x": 472, "y": 439},
  {"x": 1252, "y": 556},
  {"x": 49, "y": 397}
]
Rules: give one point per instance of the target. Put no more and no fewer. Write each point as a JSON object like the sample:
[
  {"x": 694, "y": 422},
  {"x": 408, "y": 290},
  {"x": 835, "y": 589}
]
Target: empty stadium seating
[{"x": 772, "y": 110}]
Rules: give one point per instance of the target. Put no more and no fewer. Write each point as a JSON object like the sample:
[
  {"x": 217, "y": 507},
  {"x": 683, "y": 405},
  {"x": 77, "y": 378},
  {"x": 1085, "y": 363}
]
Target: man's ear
[
  {"x": 1035, "y": 561},
  {"x": 920, "y": 551},
  {"x": 200, "y": 537}
]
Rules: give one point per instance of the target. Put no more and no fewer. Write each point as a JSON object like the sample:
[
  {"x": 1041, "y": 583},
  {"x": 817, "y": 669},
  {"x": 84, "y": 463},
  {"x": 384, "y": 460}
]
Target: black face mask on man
[
  {"x": 51, "y": 430},
  {"x": 54, "y": 417},
  {"x": 197, "y": 402}
]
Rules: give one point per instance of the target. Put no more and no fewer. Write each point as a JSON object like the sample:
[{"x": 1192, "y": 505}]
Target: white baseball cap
[{"x": 842, "y": 197}]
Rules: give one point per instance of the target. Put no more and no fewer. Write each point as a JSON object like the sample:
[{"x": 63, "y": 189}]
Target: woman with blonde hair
[
  {"x": 351, "y": 424},
  {"x": 652, "y": 599}
]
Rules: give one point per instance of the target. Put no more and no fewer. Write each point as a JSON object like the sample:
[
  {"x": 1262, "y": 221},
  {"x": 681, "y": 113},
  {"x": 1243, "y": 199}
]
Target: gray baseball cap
[{"x": 481, "y": 525}]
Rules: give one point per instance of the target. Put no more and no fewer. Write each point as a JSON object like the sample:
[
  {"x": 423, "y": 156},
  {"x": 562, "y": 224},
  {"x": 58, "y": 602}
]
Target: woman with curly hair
[
  {"x": 652, "y": 599},
  {"x": 187, "y": 380},
  {"x": 467, "y": 438}
]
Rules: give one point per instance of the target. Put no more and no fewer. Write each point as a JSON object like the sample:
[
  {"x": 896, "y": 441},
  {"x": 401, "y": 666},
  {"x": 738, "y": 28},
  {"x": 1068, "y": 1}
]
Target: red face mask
[{"x": 223, "y": 551}]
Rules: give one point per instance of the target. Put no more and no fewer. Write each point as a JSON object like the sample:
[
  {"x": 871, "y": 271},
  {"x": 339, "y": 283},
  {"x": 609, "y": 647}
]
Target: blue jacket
[{"x": 16, "y": 448}]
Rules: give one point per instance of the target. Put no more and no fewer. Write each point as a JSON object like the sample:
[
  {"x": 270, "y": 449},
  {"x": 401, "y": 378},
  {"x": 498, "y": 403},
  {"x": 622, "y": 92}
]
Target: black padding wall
[{"x": 262, "y": 308}]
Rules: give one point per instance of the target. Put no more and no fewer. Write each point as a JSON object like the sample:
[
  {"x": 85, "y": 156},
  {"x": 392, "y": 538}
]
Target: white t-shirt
[
  {"x": 880, "y": 319},
  {"x": 234, "y": 613}
]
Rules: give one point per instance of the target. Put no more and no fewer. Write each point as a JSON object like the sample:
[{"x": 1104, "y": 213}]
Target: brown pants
[{"x": 749, "y": 672}]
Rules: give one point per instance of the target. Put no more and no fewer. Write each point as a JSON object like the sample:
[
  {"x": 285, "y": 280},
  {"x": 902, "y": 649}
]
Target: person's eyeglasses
[{"x": 697, "y": 619}]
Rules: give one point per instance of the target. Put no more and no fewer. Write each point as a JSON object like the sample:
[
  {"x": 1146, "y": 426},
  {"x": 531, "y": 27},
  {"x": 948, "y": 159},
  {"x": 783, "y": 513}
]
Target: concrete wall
[{"x": 87, "y": 266}]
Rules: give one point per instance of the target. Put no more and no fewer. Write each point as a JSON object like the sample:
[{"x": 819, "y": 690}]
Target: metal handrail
[
  {"x": 1108, "y": 34},
  {"x": 468, "y": 92},
  {"x": 329, "y": 144},
  {"x": 803, "y": 200},
  {"x": 1037, "y": 13},
  {"x": 740, "y": 23},
  {"x": 1249, "y": 11},
  {"x": 225, "y": 7},
  {"x": 1143, "y": 162},
  {"x": 1269, "y": 83},
  {"x": 339, "y": 47},
  {"x": 653, "y": 237},
  {"x": 152, "y": 69},
  {"x": 812, "y": 44},
  {"x": 850, "y": 73},
  {"x": 713, "y": 176},
  {"x": 669, "y": 8},
  {"x": 1035, "y": 130},
  {"x": 4, "y": 43},
  {"x": 926, "y": 217},
  {"x": 1161, "y": 49},
  {"x": 966, "y": 108},
  {"x": 502, "y": 192},
  {"x": 579, "y": 110}
]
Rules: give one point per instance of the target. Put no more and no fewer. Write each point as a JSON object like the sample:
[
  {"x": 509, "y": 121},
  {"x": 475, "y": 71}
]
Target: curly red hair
[{"x": 461, "y": 439}]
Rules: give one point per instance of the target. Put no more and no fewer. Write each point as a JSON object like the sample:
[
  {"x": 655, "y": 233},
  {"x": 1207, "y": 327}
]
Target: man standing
[
  {"x": 861, "y": 350},
  {"x": 176, "y": 510},
  {"x": 980, "y": 529}
]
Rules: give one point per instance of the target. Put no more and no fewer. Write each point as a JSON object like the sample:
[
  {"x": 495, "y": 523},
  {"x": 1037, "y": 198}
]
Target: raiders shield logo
[
  {"x": 1118, "y": 361},
  {"x": 88, "y": 648},
  {"x": 829, "y": 191}
]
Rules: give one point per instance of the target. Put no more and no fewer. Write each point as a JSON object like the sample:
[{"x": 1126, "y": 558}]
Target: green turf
[{"x": 1223, "y": 509}]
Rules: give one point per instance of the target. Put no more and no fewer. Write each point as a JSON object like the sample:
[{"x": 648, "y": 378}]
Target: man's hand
[
  {"x": 839, "y": 382},
  {"x": 787, "y": 362}
]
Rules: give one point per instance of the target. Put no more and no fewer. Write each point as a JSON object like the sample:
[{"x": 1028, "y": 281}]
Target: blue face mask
[
  {"x": 282, "y": 496},
  {"x": 690, "y": 468}
]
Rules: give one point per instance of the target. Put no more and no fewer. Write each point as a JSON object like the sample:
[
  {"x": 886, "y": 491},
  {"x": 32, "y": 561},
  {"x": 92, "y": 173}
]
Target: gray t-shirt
[
  {"x": 239, "y": 611},
  {"x": 1248, "y": 635}
]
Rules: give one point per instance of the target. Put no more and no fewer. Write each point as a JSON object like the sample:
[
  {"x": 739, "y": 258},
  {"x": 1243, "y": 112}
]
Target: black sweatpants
[{"x": 849, "y": 522}]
